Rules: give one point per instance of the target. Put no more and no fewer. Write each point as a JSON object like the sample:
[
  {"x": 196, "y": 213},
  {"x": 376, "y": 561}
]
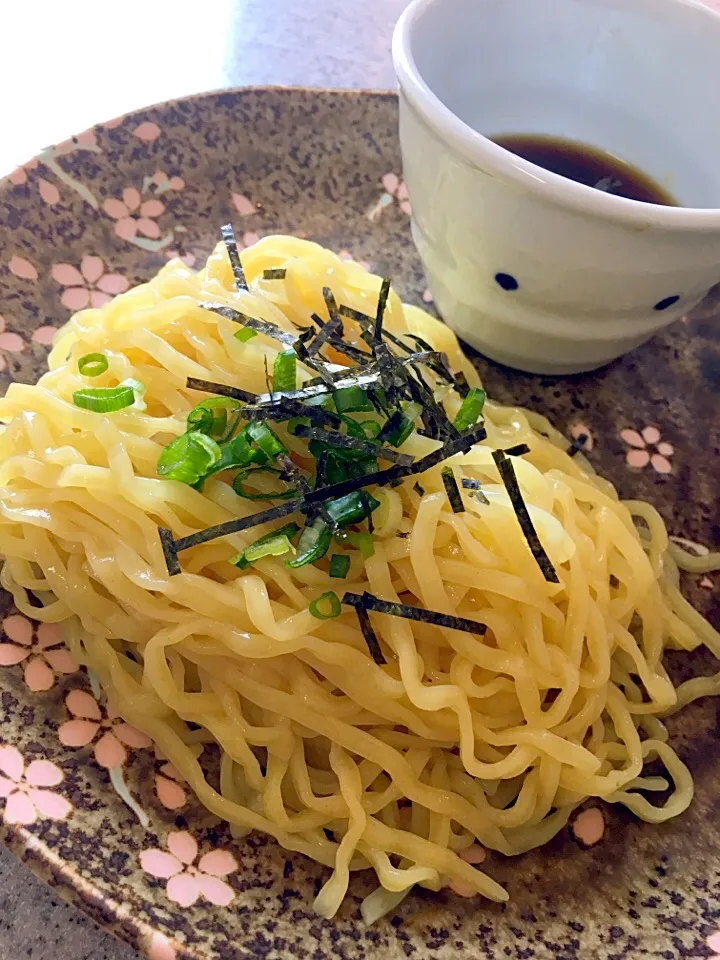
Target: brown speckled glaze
[{"x": 326, "y": 165}]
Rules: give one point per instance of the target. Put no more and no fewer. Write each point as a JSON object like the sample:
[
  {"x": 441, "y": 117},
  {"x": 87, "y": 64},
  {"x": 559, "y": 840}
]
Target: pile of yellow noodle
[{"x": 460, "y": 742}]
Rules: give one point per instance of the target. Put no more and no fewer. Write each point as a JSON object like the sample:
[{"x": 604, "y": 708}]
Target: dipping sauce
[{"x": 586, "y": 164}]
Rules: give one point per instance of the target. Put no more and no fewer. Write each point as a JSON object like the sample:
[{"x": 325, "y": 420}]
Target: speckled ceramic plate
[{"x": 86, "y": 802}]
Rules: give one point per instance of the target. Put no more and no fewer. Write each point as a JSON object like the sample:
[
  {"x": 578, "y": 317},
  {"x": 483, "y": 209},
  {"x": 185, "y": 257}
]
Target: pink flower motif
[
  {"x": 189, "y": 259},
  {"x": 10, "y": 342},
  {"x": 578, "y": 431},
  {"x": 81, "y": 141},
  {"x": 43, "y": 651},
  {"x": 49, "y": 193},
  {"x": 160, "y": 947},
  {"x": 88, "y": 285},
  {"x": 427, "y": 296},
  {"x": 245, "y": 207},
  {"x": 22, "y": 268},
  {"x": 397, "y": 189},
  {"x": 89, "y": 720},
  {"x": 134, "y": 215},
  {"x": 640, "y": 456},
  {"x": 147, "y": 131},
  {"x": 185, "y": 881},
  {"x": 44, "y": 335},
  {"x": 19, "y": 176},
  {"x": 248, "y": 239},
  {"x": 713, "y": 942},
  {"x": 162, "y": 183},
  {"x": 27, "y": 798},
  {"x": 168, "y": 787}
]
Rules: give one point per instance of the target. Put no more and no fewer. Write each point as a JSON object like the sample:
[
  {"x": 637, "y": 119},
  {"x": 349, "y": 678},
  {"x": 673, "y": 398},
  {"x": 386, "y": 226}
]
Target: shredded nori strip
[
  {"x": 393, "y": 375},
  {"x": 267, "y": 406},
  {"x": 373, "y": 644},
  {"x": 370, "y": 602},
  {"x": 274, "y": 273},
  {"x": 332, "y": 328},
  {"x": 393, "y": 423},
  {"x": 449, "y": 449},
  {"x": 452, "y": 490},
  {"x": 222, "y": 389},
  {"x": 353, "y": 352},
  {"x": 169, "y": 547},
  {"x": 234, "y": 257},
  {"x": 476, "y": 487},
  {"x": 343, "y": 441},
  {"x": 507, "y": 474},
  {"x": 382, "y": 303},
  {"x": 420, "y": 491},
  {"x": 434, "y": 418},
  {"x": 402, "y": 535},
  {"x": 578, "y": 445},
  {"x": 519, "y": 450},
  {"x": 364, "y": 319},
  {"x": 259, "y": 326},
  {"x": 461, "y": 384}
]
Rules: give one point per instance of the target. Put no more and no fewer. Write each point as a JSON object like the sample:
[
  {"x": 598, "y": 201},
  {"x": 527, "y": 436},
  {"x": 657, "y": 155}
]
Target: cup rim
[{"x": 481, "y": 151}]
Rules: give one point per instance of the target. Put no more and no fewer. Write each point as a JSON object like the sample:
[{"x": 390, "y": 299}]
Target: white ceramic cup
[{"x": 534, "y": 270}]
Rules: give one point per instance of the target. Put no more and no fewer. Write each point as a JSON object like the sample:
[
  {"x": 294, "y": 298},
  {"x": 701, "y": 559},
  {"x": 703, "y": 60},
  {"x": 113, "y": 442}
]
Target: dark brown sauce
[{"x": 588, "y": 165}]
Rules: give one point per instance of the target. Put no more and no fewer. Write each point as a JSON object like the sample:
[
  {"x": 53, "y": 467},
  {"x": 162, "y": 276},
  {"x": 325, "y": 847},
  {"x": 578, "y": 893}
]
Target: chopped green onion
[
  {"x": 314, "y": 543},
  {"x": 211, "y": 417},
  {"x": 371, "y": 428},
  {"x": 261, "y": 434},
  {"x": 339, "y": 565},
  {"x": 93, "y": 364},
  {"x": 396, "y": 431},
  {"x": 104, "y": 399},
  {"x": 245, "y": 334},
  {"x": 351, "y": 400},
  {"x": 273, "y": 548},
  {"x": 240, "y": 490},
  {"x": 284, "y": 370},
  {"x": 352, "y": 508},
  {"x": 188, "y": 458},
  {"x": 470, "y": 410},
  {"x": 242, "y": 560},
  {"x": 362, "y": 542},
  {"x": 332, "y": 605}
]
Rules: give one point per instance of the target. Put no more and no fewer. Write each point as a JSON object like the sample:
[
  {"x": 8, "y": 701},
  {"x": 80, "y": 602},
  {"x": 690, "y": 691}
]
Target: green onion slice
[
  {"x": 267, "y": 441},
  {"x": 470, "y": 410},
  {"x": 313, "y": 544},
  {"x": 188, "y": 458},
  {"x": 217, "y": 417},
  {"x": 245, "y": 334},
  {"x": 285, "y": 370},
  {"x": 241, "y": 491},
  {"x": 242, "y": 560},
  {"x": 362, "y": 542},
  {"x": 104, "y": 399},
  {"x": 352, "y": 508},
  {"x": 339, "y": 565},
  {"x": 93, "y": 364},
  {"x": 352, "y": 400},
  {"x": 331, "y": 606}
]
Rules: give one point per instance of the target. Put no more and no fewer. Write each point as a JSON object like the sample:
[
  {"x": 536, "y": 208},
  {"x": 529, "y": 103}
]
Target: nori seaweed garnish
[
  {"x": 461, "y": 384},
  {"x": 267, "y": 406},
  {"x": 382, "y": 303},
  {"x": 452, "y": 490},
  {"x": 169, "y": 547},
  {"x": 373, "y": 644},
  {"x": 476, "y": 488},
  {"x": 274, "y": 273},
  {"x": 234, "y": 256},
  {"x": 578, "y": 445},
  {"x": 343, "y": 441},
  {"x": 420, "y": 491},
  {"x": 332, "y": 328},
  {"x": 519, "y": 450},
  {"x": 260, "y": 326},
  {"x": 507, "y": 474},
  {"x": 370, "y": 602},
  {"x": 222, "y": 389}
]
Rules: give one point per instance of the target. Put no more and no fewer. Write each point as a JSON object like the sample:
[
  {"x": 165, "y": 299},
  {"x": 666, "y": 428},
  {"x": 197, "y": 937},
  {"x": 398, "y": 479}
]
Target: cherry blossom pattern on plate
[
  {"x": 136, "y": 218},
  {"x": 647, "y": 447},
  {"x": 244, "y": 206},
  {"x": 26, "y": 789},
  {"x": 147, "y": 131},
  {"x": 91, "y": 285},
  {"x": 581, "y": 432},
  {"x": 9, "y": 342},
  {"x": 186, "y": 881},
  {"x": 395, "y": 190},
  {"x": 22, "y": 268},
  {"x": 42, "y": 651},
  {"x": 169, "y": 786},
  {"x": 713, "y": 943},
  {"x": 474, "y": 855},
  {"x": 49, "y": 158},
  {"x": 111, "y": 736}
]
